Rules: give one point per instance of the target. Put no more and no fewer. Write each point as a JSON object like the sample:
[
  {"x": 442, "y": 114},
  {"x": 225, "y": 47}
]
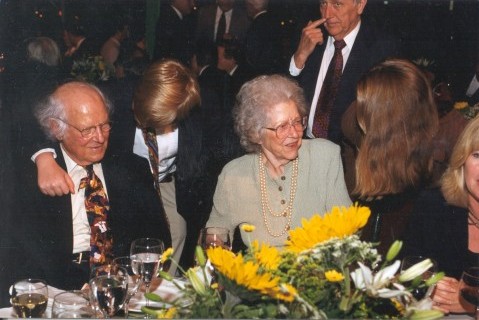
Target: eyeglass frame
[
  {"x": 303, "y": 122},
  {"x": 90, "y": 131}
]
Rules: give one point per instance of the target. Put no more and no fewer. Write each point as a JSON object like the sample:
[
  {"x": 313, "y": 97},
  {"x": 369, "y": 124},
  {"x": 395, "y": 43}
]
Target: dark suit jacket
[
  {"x": 174, "y": 36},
  {"x": 43, "y": 229},
  {"x": 370, "y": 48},
  {"x": 87, "y": 49},
  {"x": 263, "y": 45},
  {"x": 206, "y": 23},
  {"x": 439, "y": 231}
]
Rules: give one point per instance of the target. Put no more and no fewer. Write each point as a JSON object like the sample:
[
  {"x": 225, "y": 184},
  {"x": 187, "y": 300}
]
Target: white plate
[{"x": 167, "y": 290}]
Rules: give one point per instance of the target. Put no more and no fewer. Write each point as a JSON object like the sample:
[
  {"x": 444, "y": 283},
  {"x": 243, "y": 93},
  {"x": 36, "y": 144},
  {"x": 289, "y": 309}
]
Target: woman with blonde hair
[
  {"x": 445, "y": 226},
  {"x": 392, "y": 123}
]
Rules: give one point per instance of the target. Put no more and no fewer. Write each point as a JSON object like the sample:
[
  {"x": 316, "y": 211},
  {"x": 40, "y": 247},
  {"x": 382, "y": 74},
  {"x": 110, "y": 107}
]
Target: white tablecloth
[{"x": 167, "y": 290}]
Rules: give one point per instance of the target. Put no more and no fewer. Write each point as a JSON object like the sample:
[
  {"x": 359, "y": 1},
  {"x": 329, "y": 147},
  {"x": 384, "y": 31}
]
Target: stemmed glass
[
  {"x": 214, "y": 237},
  {"x": 146, "y": 252},
  {"x": 134, "y": 280},
  {"x": 29, "y": 298},
  {"x": 109, "y": 292},
  {"x": 419, "y": 292},
  {"x": 469, "y": 287}
]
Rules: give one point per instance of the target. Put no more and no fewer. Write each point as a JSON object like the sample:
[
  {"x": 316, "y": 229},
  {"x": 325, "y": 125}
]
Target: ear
[
  {"x": 55, "y": 129},
  {"x": 361, "y": 6}
]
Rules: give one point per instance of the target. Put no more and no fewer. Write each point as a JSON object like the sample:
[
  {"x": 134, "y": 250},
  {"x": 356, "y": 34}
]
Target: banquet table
[{"x": 167, "y": 290}]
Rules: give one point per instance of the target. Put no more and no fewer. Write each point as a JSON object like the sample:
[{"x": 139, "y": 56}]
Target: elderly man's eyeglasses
[
  {"x": 90, "y": 131},
  {"x": 282, "y": 130}
]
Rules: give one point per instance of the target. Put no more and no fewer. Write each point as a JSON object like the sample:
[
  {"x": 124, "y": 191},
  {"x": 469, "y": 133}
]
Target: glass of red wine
[{"x": 469, "y": 287}]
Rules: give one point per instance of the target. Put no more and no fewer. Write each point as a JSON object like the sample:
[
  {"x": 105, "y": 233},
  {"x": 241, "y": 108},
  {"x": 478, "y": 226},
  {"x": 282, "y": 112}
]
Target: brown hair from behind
[{"x": 396, "y": 111}]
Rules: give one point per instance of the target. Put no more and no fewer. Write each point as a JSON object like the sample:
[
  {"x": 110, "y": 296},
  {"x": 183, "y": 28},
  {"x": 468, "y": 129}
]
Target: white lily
[
  {"x": 416, "y": 270},
  {"x": 376, "y": 285}
]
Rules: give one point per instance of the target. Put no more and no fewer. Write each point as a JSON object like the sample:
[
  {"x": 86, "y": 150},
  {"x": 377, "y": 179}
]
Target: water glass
[
  {"x": 29, "y": 298},
  {"x": 214, "y": 237},
  {"x": 108, "y": 293},
  {"x": 72, "y": 305}
]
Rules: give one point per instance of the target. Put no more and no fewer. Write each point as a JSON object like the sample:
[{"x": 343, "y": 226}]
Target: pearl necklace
[{"x": 288, "y": 212}]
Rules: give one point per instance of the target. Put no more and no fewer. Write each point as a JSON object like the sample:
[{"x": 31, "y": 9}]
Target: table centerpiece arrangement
[{"x": 324, "y": 271}]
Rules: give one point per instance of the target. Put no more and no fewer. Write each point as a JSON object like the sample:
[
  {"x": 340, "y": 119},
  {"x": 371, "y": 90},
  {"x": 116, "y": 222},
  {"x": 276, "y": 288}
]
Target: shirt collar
[
  {"x": 349, "y": 38},
  {"x": 178, "y": 13}
]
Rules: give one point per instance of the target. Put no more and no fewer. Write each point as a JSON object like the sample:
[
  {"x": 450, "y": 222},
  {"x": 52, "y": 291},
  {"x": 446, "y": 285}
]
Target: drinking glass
[
  {"x": 146, "y": 252},
  {"x": 214, "y": 237},
  {"x": 419, "y": 292},
  {"x": 72, "y": 304},
  {"x": 29, "y": 298},
  {"x": 469, "y": 287},
  {"x": 109, "y": 292},
  {"x": 134, "y": 279}
]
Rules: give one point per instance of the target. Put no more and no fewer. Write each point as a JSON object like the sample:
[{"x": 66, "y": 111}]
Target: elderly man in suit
[
  {"x": 363, "y": 47},
  {"x": 59, "y": 239}
]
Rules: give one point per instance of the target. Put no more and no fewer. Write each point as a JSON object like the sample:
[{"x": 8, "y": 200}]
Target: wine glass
[
  {"x": 109, "y": 293},
  {"x": 72, "y": 304},
  {"x": 214, "y": 237},
  {"x": 134, "y": 282},
  {"x": 469, "y": 287},
  {"x": 29, "y": 298},
  {"x": 419, "y": 291},
  {"x": 146, "y": 252}
]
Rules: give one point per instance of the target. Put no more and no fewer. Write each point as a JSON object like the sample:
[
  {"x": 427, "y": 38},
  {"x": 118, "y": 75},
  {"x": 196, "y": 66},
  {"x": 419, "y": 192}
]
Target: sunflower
[
  {"x": 267, "y": 256},
  {"x": 339, "y": 223},
  {"x": 235, "y": 271},
  {"x": 334, "y": 276}
]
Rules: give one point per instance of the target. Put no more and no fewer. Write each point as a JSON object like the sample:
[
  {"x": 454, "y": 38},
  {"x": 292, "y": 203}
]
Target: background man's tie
[
  {"x": 221, "y": 28},
  {"x": 328, "y": 92},
  {"x": 97, "y": 209}
]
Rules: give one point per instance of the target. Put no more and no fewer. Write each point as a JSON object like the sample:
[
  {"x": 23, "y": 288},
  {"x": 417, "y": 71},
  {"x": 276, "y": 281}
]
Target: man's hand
[
  {"x": 52, "y": 179},
  {"x": 310, "y": 37},
  {"x": 224, "y": 63}
]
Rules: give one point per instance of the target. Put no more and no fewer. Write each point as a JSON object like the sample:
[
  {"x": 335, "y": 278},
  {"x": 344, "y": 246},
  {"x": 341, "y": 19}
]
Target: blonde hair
[
  {"x": 453, "y": 183},
  {"x": 396, "y": 110},
  {"x": 165, "y": 94}
]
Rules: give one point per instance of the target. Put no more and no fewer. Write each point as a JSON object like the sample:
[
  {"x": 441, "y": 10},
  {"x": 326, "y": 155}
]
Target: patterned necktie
[
  {"x": 328, "y": 92},
  {"x": 97, "y": 209},
  {"x": 149, "y": 135},
  {"x": 221, "y": 28}
]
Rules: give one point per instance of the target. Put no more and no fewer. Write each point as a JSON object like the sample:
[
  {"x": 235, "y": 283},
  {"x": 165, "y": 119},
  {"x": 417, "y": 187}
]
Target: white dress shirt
[
  {"x": 473, "y": 86},
  {"x": 81, "y": 227},
  {"x": 167, "y": 150},
  {"x": 327, "y": 57},
  {"x": 228, "y": 15}
]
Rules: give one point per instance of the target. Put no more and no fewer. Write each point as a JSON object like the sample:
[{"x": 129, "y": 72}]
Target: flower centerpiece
[
  {"x": 324, "y": 271},
  {"x": 468, "y": 111},
  {"x": 92, "y": 69}
]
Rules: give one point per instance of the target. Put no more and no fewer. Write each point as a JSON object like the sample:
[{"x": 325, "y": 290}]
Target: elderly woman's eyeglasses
[
  {"x": 90, "y": 131},
  {"x": 282, "y": 130}
]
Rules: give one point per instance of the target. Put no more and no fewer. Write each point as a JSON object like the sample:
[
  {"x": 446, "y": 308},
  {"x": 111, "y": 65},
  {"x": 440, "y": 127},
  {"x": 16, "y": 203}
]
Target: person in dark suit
[
  {"x": 174, "y": 32},
  {"x": 263, "y": 42},
  {"x": 365, "y": 46},
  {"x": 52, "y": 234},
  {"x": 166, "y": 99},
  {"x": 236, "y": 21}
]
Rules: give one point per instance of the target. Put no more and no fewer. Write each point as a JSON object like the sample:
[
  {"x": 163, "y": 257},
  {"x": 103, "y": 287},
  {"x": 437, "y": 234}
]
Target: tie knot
[
  {"x": 89, "y": 168},
  {"x": 339, "y": 44}
]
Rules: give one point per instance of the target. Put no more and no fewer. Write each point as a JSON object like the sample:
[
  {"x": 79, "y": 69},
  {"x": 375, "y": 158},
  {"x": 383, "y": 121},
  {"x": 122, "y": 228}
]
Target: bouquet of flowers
[
  {"x": 92, "y": 69},
  {"x": 324, "y": 271},
  {"x": 468, "y": 111}
]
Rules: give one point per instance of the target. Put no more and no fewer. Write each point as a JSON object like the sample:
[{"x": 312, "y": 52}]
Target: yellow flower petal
[
  {"x": 333, "y": 276},
  {"x": 166, "y": 255},
  {"x": 248, "y": 227}
]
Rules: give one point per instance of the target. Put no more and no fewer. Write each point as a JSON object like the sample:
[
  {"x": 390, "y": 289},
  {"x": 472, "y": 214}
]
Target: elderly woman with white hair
[{"x": 282, "y": 178}]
